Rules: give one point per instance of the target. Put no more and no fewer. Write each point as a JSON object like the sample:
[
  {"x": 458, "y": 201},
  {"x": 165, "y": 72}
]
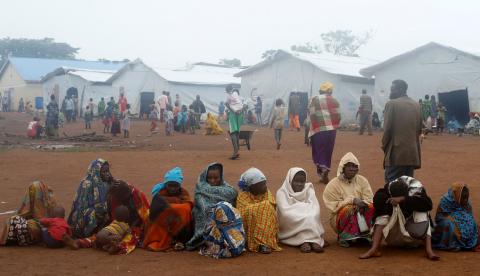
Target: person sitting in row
[
  {"x": 109, "y": 238},
  {"x": 349, "y": 198},
  {"x": 299, "y": 213},
  {"x": 224, "y": 235},
  {"x": 257, "y": 207},
  {"x": 402, "y": 217},
  {"x": 455, "y": 226},
  {"x": 211, "y": 189},
  {"x": 170, "y": 220}
]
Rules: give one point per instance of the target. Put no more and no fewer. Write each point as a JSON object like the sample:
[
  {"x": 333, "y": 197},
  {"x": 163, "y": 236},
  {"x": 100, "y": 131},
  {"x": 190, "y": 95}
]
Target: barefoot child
[
  {"x": 88, "y": 117},
  {"x": 277, "y": 121},
  {"x": 169, "y": 121},
  {"x": 153, "y": 118},
  {"x": 109, "y": 237},
  {"x": 55, "y": 230},
  {"x": 126, "y": 122}
]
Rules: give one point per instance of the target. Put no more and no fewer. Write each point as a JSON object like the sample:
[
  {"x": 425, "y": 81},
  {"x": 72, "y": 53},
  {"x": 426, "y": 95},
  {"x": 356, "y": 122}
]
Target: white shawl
[{"x": 298, "y": 213}]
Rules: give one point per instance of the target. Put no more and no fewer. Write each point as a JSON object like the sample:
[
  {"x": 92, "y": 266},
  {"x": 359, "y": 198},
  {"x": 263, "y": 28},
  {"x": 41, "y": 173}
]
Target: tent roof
[
  {"x": 34, "y": 69},
  {"x": 201, "y": 74},
  {"x": 370, "y": 71},
  {"x": 338, "y": 65},
  {"x": 88, "y": 75}
]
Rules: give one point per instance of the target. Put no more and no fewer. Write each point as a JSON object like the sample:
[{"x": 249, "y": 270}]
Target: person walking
[
  {"x": 325, "y": 119},
  {"x": 401, "y": 133},
  {"x": 294, "y": 111},
  {"x": 365, "y": 112}
]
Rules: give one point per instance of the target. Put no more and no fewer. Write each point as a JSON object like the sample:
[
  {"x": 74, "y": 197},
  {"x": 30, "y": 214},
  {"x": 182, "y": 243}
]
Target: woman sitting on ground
[
  {"x": 299, "y": 213},
  {"x": 456, "y": 228},
  {"x": 98, "y": 195},
  {"x": 402, "y": 217},
  {"x": 211, "y": 125},
  {"x": 24, "y": 228},
  {"x": 210, "y": 190},
  {"x": 257, "y": 207},
  {"x": 349, "y": 197},
  {"x": 170, "y": 220}
]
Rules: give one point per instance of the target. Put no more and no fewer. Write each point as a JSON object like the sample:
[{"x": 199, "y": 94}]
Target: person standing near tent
[
  {"x": 258, "y": 110},
  {"x": 294, "y": 111},
  {"x": 324, "y": 121},
  {"x": 69, "y": 108},
  {"x": 162, "y": 104},
  {"x": 52, "y": 118},
  {"x": 433, "y": 103},
  {"x": 426, "y": 109},
  {"x": 101, "y": 108},
  {"x": 365, "y": 112},
  {"x": 199, "y": 109},
  {"x": 234, "y": 105},
  {"x": 122, "y": 101},
  {"x": 402, "y": 128}
]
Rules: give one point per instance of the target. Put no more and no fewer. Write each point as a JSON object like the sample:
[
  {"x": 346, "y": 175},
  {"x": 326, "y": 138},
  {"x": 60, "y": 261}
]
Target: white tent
[
  {"x": 432, "y": 69},
  {"x": 87, "y": 84},
  {"x": 288, "y": 72}
]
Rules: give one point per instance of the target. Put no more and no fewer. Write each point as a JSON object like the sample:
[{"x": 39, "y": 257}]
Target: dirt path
[{"x": 445, "y": 159}]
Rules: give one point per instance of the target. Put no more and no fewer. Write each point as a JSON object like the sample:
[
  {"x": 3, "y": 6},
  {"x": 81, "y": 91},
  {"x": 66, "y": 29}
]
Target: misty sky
[{"x": 170, "y": 33}]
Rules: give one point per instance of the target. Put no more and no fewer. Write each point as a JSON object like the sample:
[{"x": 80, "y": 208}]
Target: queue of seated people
[{"x": 221, "y": 222}]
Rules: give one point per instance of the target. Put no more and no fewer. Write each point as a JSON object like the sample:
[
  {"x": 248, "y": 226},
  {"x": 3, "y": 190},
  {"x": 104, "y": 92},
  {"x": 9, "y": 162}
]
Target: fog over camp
[{"x": 239, "y": 137}]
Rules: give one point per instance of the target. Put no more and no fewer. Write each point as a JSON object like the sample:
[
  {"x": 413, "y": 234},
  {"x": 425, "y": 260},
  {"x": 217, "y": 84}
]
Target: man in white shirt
[
  {"x": 162, "y": 103},
  {"x": 69, "y": 108}
]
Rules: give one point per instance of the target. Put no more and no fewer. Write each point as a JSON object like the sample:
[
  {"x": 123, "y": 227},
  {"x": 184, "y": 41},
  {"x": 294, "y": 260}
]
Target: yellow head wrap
[{"x": 326, "y": 87}]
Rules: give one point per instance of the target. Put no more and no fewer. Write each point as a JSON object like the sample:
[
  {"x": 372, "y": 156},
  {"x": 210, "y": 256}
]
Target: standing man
[
  {"x": 294, "y": 111},
  {"x": 51, "y": 122},
  {"x": 162, "y": 103},
  {"x": 199, "y": 109},
  {"x": 401, "y": 134},
  {"x": 365, "y": 112},
  {"x": 69, "y": 108}
]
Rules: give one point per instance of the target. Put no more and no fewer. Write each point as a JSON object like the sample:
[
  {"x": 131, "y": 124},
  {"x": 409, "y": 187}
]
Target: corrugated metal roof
[{"x": 34, "y": 69}]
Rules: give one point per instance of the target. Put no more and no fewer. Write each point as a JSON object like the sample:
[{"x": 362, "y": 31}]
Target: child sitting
[
  {"x": 35, "y": 129},
  {"x": 88, "y": 117},
  {"x": 108, "y": 238},
  {"x": 55, "y": 231},
  {"x": 169, "y": 121}
]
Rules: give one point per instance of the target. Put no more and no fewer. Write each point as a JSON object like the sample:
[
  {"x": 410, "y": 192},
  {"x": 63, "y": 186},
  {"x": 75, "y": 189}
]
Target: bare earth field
[{"x": 143, "y": 160}]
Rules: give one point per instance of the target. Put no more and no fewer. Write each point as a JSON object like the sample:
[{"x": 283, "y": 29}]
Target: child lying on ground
[
  {"x": 55, "y": 230},
  {"x": 108, "y": 238}
]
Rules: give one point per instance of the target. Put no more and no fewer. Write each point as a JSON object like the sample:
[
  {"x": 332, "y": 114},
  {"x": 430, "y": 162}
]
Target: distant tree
[
  {"x": 344, "y": 42},
  {"x": 36, "y": 48},
  {"x": 307, "y": 48},
  {"x": 235, "y": 62},
  {"x": 269, "y": 54}
]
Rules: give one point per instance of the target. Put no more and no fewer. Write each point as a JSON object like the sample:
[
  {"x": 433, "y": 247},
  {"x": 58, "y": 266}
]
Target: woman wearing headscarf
[
  {"x": 324, "y": 120},
  {"x": 257, "y": 207},
  {"x": 211, "y": 189},
  {"x": 456, "y": 228},
  {"x": 24, "y": 228},
  {"x": 98, "y": 195},
  {"x": 211, "y": 126},
  {"x": 170, "y": 220},
  {"x": 89, "y": 211},
  {"x": 299, "y": 213},
  {"x": 224, "y": 235},
  {"x": 349, "y": 197},
  {"x": 402, "y": 217}
]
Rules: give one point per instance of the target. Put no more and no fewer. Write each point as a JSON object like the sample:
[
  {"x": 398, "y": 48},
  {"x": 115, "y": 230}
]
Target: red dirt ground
[{"x": 446, "y": 159}]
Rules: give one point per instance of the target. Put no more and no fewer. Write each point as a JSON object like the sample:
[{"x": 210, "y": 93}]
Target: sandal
[
  {"x": 306, "y": 248},
  {"x": 179, "y": 246},
  {"x": 317, "y": 248},
  {"x": 264, "y": 249}
]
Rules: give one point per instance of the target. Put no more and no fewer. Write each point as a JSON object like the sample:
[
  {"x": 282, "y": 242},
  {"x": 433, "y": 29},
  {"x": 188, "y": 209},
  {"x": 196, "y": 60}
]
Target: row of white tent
[{"x": 433, "y": 69}]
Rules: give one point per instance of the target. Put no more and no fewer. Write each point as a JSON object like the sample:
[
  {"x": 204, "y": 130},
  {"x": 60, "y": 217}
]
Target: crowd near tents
[{"x": 434, "y": 69}]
